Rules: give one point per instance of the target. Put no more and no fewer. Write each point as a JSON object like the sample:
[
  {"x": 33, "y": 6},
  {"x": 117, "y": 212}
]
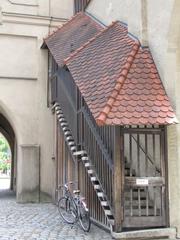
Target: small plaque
[{"x": 142, "y": 181}]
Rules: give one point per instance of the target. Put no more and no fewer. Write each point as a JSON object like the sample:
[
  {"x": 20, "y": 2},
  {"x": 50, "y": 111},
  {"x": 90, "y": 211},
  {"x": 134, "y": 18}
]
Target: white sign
[{"x": 142, "y": 181}]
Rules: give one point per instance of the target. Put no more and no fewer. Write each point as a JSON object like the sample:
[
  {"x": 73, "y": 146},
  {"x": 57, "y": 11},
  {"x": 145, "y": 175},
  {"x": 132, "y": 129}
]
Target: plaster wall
[
  {"x": 23, "y": 92},
  {"x": 163, "y": 35},
  {"x": 52, "y": 8},
  {"x": 62, "y": 8},
  {"x": 18, "y": 47},
  {"x": 107, "y": 11},
  {"x": 129, "y": 12}
]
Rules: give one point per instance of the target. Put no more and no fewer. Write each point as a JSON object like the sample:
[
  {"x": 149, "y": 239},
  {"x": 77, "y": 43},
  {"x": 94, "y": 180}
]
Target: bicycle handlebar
[{"x": 66, "y": 184}]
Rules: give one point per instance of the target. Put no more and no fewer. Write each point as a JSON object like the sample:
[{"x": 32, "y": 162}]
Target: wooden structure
[
  {"x": 123, "y": 171},
  {"x": 112, "y": 111}
]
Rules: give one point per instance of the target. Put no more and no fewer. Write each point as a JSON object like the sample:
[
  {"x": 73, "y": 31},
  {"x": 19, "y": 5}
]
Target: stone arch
[{"x": 8, "y": 132}]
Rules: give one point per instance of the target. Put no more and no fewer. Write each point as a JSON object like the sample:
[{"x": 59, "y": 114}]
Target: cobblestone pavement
[{"x": 39, "y": 221}]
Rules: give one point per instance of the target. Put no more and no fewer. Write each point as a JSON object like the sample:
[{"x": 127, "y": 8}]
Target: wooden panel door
[{"x": 144, "y": 188}]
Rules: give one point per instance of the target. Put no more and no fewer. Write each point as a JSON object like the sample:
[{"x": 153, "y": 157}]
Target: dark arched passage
[{"x": 8, "y": 132}]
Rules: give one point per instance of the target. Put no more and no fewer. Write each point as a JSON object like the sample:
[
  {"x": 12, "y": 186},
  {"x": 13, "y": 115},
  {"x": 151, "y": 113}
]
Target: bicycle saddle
[{"x": 76, "y": 191}]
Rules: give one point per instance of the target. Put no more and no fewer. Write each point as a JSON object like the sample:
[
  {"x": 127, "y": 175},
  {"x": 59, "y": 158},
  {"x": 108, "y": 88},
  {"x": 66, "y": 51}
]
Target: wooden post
[{"x": 117, "y": 180}]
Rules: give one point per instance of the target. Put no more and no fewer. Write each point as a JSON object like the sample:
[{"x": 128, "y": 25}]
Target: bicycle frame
[{"x": 79, "y": 210}]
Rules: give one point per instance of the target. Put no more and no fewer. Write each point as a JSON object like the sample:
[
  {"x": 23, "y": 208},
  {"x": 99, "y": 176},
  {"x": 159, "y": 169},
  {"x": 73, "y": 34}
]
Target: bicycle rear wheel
[
  {"x": 84, "y": 217},
  {"x": 67, "y": 210}
]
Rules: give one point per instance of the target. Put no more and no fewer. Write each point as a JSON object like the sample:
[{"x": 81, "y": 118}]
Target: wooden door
[{"x": 144, "y": 187}]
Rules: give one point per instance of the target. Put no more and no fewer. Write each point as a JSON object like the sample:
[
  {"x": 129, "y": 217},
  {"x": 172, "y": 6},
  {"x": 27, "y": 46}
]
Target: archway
[
  {"x": 7, "y": 131},
  {"x": 5, "y": 163}
]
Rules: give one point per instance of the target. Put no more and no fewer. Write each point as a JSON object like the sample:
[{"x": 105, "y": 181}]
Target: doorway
[
  {"x": 8, "y": 163},
  {"x": 145, "y": 184},
  {"x": 5, "y": 163}
]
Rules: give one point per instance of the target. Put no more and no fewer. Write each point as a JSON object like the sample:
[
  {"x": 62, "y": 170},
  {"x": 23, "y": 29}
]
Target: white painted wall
[
  {"x": 62, "y": 8},
  {"x": 53, "y": 8},
  {"x": 107, "y": 11},
  {"x": 127, "y": 11},
  {"x": 18, "y": 47}
]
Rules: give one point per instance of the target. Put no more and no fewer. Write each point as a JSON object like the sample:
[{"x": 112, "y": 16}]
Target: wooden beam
[{"x": 118, "y": 214}]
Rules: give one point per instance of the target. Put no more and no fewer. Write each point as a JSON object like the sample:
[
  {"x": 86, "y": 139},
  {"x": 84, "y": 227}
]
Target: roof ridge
[
  {"x": 89, "y": 41},
  {"x": 100, "y": 120},
  {"x": 63, "y": 25}
]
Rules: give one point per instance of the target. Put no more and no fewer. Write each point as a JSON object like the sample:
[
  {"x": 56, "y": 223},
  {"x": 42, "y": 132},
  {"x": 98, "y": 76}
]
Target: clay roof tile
[
  {"x": 117, "y": 78},
  {"x": 71, "y": 36}
]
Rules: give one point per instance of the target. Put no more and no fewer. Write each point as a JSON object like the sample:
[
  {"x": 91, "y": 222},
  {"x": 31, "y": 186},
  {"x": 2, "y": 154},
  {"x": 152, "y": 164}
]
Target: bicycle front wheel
[
  {"x": 84, "y": 217},
  {"x": 67, "y": 210}
]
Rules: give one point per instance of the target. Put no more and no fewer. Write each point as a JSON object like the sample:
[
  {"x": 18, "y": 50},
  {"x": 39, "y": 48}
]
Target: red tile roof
[
  {"x": 119, "y": 80},
  {"x": 74, "y": 33}
]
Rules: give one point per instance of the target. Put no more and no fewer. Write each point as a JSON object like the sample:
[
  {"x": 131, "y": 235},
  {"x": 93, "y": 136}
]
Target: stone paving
[{"x": 39, "y": 221}]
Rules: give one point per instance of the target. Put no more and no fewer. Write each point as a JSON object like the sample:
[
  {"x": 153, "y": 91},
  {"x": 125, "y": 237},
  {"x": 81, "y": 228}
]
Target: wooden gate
[{"x": 144, "y": 185}]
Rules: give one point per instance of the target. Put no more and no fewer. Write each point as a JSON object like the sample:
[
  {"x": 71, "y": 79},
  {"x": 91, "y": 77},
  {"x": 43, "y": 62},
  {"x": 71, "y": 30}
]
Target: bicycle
[{"x": 72, "y": 208}]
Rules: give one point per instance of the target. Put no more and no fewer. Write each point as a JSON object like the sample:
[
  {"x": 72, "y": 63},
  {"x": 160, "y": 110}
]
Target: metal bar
[
  {"x": 131, "y": 199},
  {"x": 138, "y": 155},
  {"x": 147, "y": 202},
  {"x": 139, "y": 201},
  {"x": 163, "y": 173},
  {"x": 155, "y": 206},
  {"x": 154, "y": 154},
  {"x": 146, "y": 157},
  {"x": 98, "y": 139},
  {"x": 130, "y": 154}
]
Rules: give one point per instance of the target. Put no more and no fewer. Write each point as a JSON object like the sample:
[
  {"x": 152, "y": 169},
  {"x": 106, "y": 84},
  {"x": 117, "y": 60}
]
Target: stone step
[{"x": 159, "y": 233}]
